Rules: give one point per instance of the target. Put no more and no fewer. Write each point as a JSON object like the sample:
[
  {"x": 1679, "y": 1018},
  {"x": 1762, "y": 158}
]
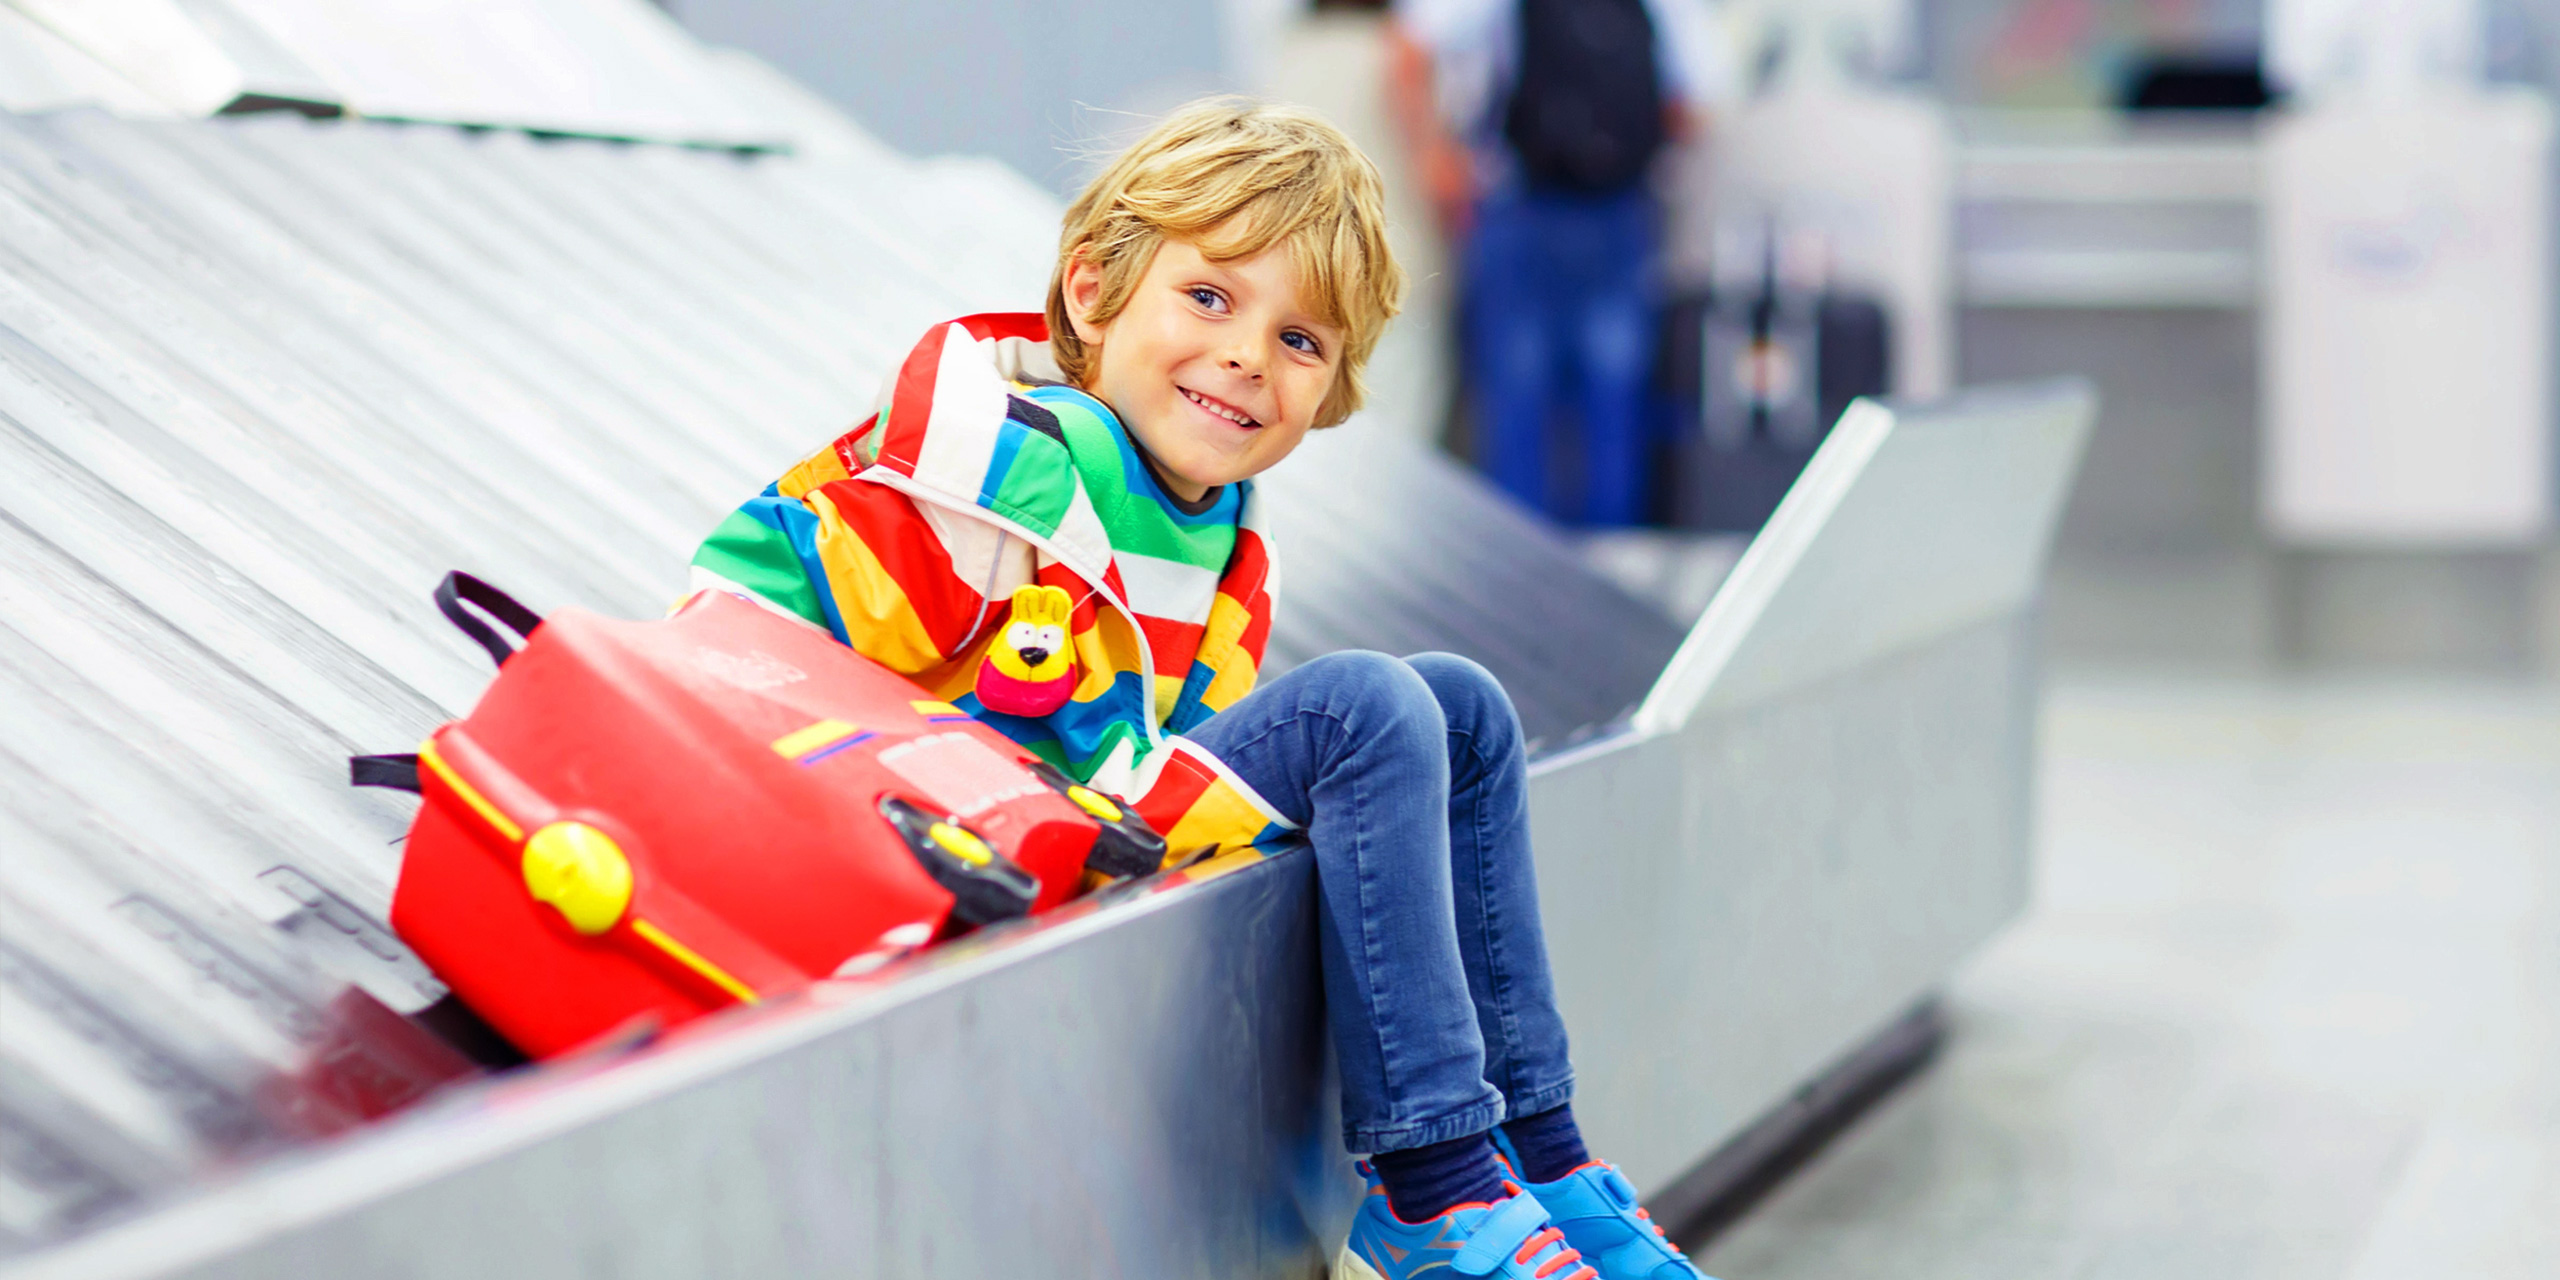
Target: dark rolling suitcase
[{"x": 1755, "y": 380}]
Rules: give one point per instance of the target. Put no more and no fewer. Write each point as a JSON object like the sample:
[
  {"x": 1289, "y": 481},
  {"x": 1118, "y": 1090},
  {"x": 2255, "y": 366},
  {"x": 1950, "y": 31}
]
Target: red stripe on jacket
[
  {"x": 888, "y": 522},
  {"x": 1172, "y": 644},
  {"x": 911, "y": 405},
  {"x": 1179, "y": 785}
]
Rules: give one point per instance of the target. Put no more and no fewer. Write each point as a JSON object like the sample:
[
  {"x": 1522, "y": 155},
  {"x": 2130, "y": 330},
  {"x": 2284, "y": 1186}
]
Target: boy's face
[{"x": 1217, "y": 368}]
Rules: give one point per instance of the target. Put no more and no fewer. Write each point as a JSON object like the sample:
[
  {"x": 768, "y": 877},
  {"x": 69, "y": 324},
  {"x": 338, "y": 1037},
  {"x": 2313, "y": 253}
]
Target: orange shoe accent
[{"x": 1553, "y": 1236}]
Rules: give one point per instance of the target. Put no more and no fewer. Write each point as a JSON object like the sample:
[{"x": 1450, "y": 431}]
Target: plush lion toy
[{"x": 1029, "y": 670}]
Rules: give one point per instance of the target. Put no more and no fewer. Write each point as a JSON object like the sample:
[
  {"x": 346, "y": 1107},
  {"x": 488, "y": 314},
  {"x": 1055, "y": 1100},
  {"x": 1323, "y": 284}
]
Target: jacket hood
[{"x": 942, "y": 427}]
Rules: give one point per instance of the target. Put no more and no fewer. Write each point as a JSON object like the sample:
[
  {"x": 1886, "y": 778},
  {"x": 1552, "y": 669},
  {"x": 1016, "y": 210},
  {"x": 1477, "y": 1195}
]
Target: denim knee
[
  {"x": 1471, "y": 699},
  {"x": 1358, "y": 682}
]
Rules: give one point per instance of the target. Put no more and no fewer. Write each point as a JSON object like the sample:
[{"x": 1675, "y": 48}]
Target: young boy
[{"x": 1218, "y": 289}]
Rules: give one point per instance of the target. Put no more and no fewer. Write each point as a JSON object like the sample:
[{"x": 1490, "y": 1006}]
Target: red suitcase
[{"x": 665, "y": 818}]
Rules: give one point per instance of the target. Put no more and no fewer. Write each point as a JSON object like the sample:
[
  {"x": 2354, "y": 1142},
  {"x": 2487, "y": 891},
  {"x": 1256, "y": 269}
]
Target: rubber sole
[{"x": 1351, "y": 1266}]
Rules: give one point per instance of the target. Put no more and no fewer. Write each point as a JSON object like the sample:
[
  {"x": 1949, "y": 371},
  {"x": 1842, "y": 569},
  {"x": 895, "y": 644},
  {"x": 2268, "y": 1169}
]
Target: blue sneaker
[
  {"x": 1509, "y": 1239},
  {"x": 1595, "y": 1206}
]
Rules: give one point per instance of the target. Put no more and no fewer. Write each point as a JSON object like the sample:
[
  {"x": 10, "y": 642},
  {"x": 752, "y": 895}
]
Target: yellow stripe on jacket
[
  {"x": 1104, "y": 651},
  {"x": 1219, "y": 649},
  {"x": 877, "y": 618},
  {"x": 823, "y": 467},
  {"x": 1221, "y": 818}
]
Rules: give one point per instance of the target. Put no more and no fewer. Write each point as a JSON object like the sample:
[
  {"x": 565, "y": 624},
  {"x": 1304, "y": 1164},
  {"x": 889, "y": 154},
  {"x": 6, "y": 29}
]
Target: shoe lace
[{"x": 1565, "y": 1254}]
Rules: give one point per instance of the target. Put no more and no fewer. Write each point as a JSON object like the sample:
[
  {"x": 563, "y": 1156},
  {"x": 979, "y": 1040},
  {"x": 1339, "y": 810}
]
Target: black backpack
[{"x": 1586, "y": 111}]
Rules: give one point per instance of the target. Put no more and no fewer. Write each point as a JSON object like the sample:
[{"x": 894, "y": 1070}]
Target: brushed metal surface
[
  {"x": 253, "y": 402},
  {"x": 41, "y": 71},
  {"x": 1053, "y": 1100},
  {"x": 1733, "y": 905},
  {"x": 606, "y": 68}
]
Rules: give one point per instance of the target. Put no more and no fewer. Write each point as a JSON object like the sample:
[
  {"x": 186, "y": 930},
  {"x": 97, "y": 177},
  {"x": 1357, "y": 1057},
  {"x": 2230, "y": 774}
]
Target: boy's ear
[{"x": 1083, "y": 288}]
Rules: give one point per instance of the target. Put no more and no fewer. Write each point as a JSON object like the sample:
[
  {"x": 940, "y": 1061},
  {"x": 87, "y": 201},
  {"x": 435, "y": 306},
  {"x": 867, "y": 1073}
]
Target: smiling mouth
[{"x": 1219, "y": 408}]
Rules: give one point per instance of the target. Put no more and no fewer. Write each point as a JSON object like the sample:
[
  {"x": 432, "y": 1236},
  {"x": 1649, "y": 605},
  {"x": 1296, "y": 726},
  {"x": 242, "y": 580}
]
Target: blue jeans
[
  {"x": 1560, "y": 312},
  {"x": 1408, "y": 778}
]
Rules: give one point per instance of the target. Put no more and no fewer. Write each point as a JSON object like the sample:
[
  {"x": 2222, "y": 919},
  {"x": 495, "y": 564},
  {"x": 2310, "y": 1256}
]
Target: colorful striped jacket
[{"x": 978, "y": 474}]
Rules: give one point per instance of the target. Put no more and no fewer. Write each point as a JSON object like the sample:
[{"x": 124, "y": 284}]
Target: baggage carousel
[{"x": 264, "y": 380}]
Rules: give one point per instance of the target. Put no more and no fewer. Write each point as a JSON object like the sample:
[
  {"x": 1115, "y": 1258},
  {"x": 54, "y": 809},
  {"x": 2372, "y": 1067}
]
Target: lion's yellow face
[{"x": 1034, "y": 646}]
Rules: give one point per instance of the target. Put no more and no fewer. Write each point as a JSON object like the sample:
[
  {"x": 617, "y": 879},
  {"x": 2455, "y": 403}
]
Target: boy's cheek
[{"x": 1279, "y": 449}]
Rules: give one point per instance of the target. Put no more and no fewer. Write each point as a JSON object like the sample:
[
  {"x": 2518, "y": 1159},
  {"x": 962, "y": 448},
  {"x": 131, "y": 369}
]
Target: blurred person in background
[{"x": 1533, "y": 125}]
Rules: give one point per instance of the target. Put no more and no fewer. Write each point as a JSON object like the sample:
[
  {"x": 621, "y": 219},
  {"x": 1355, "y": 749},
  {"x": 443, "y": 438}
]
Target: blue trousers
[
  {"x": 1560, "y": 314},
  {"x": 1408, "y": 778}
]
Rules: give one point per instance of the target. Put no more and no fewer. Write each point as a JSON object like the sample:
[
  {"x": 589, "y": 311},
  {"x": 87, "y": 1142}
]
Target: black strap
[
  {"x": 459, "y": 587},
  {"x": 398, "y": 772}
]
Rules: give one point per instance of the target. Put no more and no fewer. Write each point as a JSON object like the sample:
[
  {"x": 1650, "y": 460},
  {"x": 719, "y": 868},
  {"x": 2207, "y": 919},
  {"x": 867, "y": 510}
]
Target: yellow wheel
[
  {"x": 1095, "y": 803},
  {"x": 964, "y": 845}
]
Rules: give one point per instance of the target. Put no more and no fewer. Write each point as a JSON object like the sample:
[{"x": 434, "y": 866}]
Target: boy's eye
[
  {"x": 1208, "y": 297},
  {"x": 1300, "y": 339}
]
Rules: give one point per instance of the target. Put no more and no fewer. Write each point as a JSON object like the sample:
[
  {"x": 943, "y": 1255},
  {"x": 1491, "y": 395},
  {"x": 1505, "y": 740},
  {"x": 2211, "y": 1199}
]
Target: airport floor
[{"x": 2287, "y": 1005}]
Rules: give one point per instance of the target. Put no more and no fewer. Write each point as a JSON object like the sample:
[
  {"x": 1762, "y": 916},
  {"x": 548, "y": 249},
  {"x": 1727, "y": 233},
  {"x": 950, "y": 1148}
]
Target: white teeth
[{"x": 1216, "y": 408}]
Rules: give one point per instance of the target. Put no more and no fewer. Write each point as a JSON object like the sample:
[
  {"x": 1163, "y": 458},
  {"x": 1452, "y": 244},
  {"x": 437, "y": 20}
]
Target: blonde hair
[{"x": 1232, "y": 178}]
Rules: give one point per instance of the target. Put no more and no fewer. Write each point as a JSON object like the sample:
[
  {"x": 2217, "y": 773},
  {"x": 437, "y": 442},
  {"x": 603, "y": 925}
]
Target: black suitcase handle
[
  {"x": 459, "y": 588},
  {"x": 398, "y": 772},
  {"x": 456, "y": 597}
]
